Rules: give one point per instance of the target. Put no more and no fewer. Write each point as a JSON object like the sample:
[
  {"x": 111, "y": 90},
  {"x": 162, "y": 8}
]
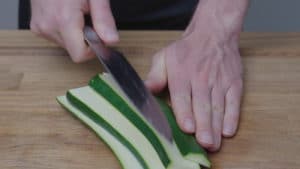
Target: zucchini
[
  {"x": 115, "y": 97},
  {"x": 123, "y": 153},
  {"x": 95, "y": 104},
  {"x": 103, "y": 104},
  {"x": 187, "y": 144}
]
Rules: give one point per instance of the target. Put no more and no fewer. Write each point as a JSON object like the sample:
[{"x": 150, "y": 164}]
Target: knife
[{"x": 123, "y": 73}]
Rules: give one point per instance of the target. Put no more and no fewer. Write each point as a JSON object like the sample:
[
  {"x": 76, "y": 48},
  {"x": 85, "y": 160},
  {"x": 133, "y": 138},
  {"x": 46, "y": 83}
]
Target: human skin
[
  {"x": 202, "y": 69},
  {"x": 62, "y": 21}
]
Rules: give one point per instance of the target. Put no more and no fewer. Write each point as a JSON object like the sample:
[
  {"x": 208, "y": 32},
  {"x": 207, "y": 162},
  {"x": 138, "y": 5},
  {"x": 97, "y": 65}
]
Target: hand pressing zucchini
[{"x": 103, "y": 106}]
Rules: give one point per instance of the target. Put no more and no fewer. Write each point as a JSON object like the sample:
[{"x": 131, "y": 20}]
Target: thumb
[
  {"x": 103, "y": 21},
  {"x": 157, "y": 77}
]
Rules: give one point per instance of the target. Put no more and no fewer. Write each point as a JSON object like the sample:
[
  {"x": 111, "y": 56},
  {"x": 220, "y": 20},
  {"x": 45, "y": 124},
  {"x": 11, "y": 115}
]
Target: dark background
[{"x": 263, "y": 15}]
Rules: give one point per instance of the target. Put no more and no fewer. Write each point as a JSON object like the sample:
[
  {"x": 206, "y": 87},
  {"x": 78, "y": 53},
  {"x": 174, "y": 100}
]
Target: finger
[
  {"x": 157, "y": 77},
  {"x": 103, "y": 21},
  {"x": 201, "y": 95},
  {"x": 217, "y": 116},
  {"x": 232, "y": 109},
  {"x": 72, "y": 34},
  {"x": 180, "y": 92}
]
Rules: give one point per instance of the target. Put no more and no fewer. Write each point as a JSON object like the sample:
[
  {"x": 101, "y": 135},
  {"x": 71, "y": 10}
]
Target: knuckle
[
  {"x": 65, "y": 18},
  {"x": 77, "y": 59},
  {"x": 180, "y": 108},
  {"x": 217, "y": 109},
  {"x": 220, "y": 53},
  {"x": 34, "y": 27},
  {"x": 203, "y": 115},
  {"x": 201, "y": 83},
  {"x": 203, "y": 129},
  {"x": 180, "y": 98},
  {"x": 206, "y": 108},
  {"x": 43, "y": 28},
  {"x": 232, "y": 103}
]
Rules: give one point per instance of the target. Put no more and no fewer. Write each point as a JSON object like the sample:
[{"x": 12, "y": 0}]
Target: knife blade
[{"x": 127, "y": 78}]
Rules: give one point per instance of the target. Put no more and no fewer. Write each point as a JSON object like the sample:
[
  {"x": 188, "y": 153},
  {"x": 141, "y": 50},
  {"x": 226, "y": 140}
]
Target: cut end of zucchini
[{"x": 199, "y": 158}]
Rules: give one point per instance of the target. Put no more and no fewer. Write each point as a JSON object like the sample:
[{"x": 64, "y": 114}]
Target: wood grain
[{"x": 35, "y": 132}]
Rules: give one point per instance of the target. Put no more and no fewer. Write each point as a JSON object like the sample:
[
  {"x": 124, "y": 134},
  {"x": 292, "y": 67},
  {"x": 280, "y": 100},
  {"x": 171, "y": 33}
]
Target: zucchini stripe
[
  {"x": 110, "y": 95},
  {"x": 100, "y": 121},
  {"x": 186, "y": 143},
  {"x": 122, "y": 153}
]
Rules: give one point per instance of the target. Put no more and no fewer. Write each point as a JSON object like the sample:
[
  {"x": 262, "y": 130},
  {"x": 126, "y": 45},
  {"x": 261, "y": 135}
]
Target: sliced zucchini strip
[
  {"x": 105, "y": 85},
  {"x": 126, "y": 157},
  {"x": 99, "y": 107}
]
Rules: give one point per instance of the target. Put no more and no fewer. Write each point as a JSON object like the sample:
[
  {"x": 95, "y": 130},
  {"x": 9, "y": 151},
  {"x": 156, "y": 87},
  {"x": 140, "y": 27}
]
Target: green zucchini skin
[
  {"x": 122, "y": 153},
  {"x": 109, "y": 94},
  {"x": 101, "y": 122},
  {"x": 186, "y": 143}
]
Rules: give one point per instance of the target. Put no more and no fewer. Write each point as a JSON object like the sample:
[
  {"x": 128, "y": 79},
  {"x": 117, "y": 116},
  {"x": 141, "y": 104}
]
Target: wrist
[{"x": 222, "y": 19}]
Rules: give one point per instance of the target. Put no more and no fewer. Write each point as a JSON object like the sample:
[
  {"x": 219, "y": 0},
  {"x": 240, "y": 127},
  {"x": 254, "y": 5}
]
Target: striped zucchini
[{"x": 106, "y": 106}]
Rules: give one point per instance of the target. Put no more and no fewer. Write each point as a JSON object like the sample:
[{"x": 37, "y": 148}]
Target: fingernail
[
  {"x": 111, "y": 35},
  {"x": 206, "y": 138},
  {"x": 217, "y": 143},
  {"x": 189, "y": 125},
  {"x": 228, "y": 130}
]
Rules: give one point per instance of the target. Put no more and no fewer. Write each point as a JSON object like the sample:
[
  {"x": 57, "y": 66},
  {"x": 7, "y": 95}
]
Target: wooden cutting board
[{"x": 36, "y": 133}]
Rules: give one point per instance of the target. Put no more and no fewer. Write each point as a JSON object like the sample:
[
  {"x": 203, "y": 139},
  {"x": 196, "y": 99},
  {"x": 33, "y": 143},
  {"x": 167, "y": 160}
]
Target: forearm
[{"x": 223, "y": 17}]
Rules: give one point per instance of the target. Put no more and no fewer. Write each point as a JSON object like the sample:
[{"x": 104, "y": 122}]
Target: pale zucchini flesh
[
  {"x": 102, "y": 108},
  {"x": 103, "y": 99},
  {"x": 81, "y": 96},
  {"x": 126, "y": 158}
]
